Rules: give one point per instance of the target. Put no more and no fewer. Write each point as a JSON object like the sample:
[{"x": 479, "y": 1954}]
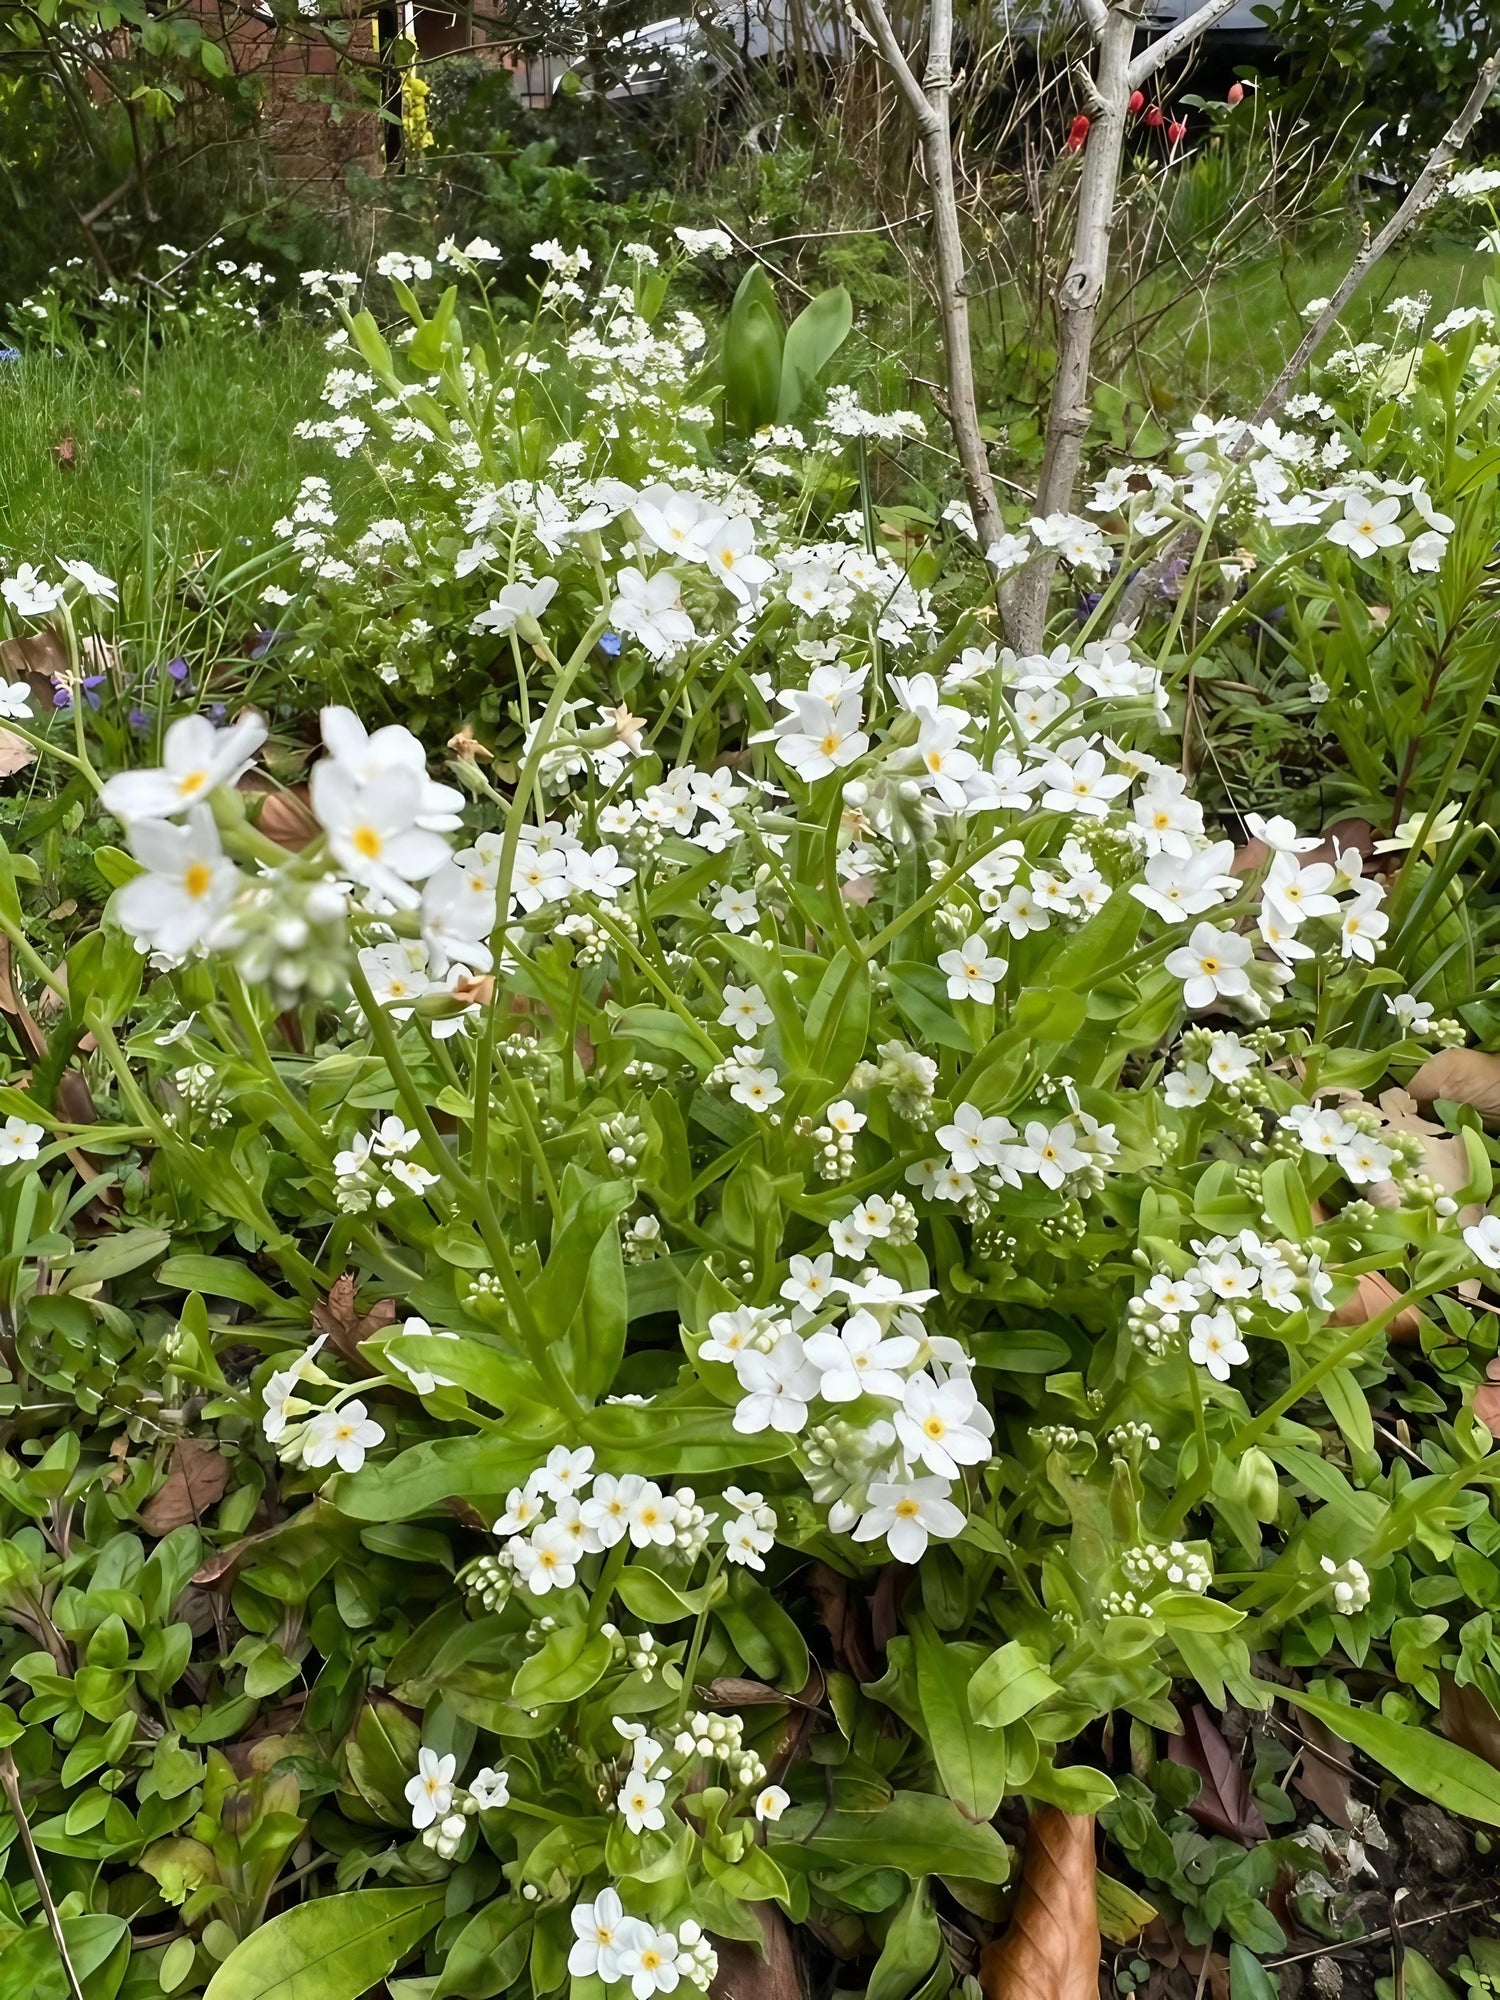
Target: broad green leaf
[
  {"x": 1449, "y": 1775},
  {"x": 916, "y": 1832},
  {"x": 911, "y": 1949},
  {"x": 569, "y": 1661},
  {"x": 1076, "y": 1788},
  {"x": 970, "y": 1756},
  {"x": 227, "y": 1278},
  {"x": 559, "y": 1294},
  {"x": 753, "y": 338},
  {"x": 1009, "y": 1684},
  {"x": 331, "y": 1948},
  {"x": 489, "y": 1953},
  {"x": 812, "y": 340}
]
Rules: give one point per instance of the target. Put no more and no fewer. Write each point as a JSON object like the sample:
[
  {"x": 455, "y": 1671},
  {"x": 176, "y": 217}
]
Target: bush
[{"x": 796, "y": 1252}]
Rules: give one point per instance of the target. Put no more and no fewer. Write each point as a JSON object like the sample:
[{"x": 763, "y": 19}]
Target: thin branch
[
  {"x": 1424, "y": 191},
  {"x": 10, "y": 1784},
  {"x": 1170, "y": 45},
  {"x": 1096, "y": 13}
]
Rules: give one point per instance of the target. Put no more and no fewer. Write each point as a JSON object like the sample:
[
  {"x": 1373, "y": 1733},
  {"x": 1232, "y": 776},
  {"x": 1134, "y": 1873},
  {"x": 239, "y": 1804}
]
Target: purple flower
[
  {"x": 62, "y": 696},
  {"x": 610, "y": 644},
  {"x": 139, "y": 721},
  {"x": 262, "y": 643},
  {"x": 179, "y": 670}
]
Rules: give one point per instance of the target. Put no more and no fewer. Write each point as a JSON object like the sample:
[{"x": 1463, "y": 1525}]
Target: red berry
[
  {"x": 1078, "y": 133},
  {"x": 1156, "y": 117},
  {"x": 1235, "y": 94},
  {"x": 1137, "y": 102},
  {"x": 1176, "y": 130}
]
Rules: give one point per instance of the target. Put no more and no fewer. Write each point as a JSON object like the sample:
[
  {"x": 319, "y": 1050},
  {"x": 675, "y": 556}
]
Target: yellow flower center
[
  {"x": 193, "y": 782},
  {"x": 368, "y": 841},
  {"x": 197, "y": 879}
]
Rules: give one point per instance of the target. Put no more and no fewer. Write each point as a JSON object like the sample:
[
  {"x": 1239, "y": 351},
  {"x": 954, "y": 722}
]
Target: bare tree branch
[
  {"x": 1170, "y": 45},
  {"x": 1425, "y": 190},
  {"x": 929, "y": 105},
  {"x": 1096, "y": 13}
]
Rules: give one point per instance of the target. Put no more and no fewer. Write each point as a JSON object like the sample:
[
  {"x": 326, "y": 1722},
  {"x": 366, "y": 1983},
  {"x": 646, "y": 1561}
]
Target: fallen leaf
[
  {"x": 1465, "y": 1076},
  {"x": 1050, "y": 1950},
  {"x": 774, "y": 1973},
  {"x": 287, "y": 818},
  {"x": 845, "y": 1620},
  {"x": 1373, "y": 1292},
  {"x": 1123, "y": 1915},
  {"x": 15, "y": 753},
  {"x": 35, "y": 658},
  {"x": 1466, "y": 1718},
  {"x": 195, "y": 1482},
  {"x": 1487, "y": 1398},
  {"x": 1319, "y": 1775},
  {"x": 1224, "y": 1804},
  {"x": 346, "y": 1328}
]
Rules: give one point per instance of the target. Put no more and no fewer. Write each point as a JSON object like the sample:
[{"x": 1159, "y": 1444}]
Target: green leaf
[
  {"x": 1185, "y": 1611},
  {"x": 332, "y": 1948},
  {"x": 911, "y": 1948},
  {"x": 812, "y": 340},
  {"x": 568, "y": 1663},
  {"x": 227, "y": 1278},
  {"x": 489, "y": 1953},
  {"x": 753, "y": 340},
  {"x": 98, "y": 1948},
  {"x": 916, "y": 1832},
  {"x": 1076, "y": 1788},
  {"x": 920, "y": 992},
  {"x": 970, "y": 1756},
  {"x": 1450, "y": 1776},
  {"x": 1350, "y": 1409},
  {"x": 1009, "y": 1684},
  {"x": 558, "y": 1296}
]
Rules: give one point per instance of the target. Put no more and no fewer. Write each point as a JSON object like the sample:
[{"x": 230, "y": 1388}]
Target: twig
[
  {"x": 1424, "y": 191},
  {"x": 1372, "y": 1937},
  {"x": 928, "y": 102},
  {"x": 10, "y": 1784}
]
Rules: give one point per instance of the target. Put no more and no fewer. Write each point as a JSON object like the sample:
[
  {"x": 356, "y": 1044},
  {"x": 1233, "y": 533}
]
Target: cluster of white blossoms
[
  {"x": 887, "y": 1414},
  {"x": 1234, "y": 1286},
  {"x": 441, "y": 1808},
  {"x": 339, "y": 1433},
  {"x": 611, "y": 1946},
  {"x": 1154, "y": 1567},
  {"x": 566, "y": 1511},
  {"x": 377, "y": 1167},
  {"x": 1348, "y": 1584}
]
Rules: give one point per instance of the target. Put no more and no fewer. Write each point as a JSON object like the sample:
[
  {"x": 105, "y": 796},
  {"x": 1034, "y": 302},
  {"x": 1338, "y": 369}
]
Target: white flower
[
  {"x": 972, "y": 971},
  {"x": 772, "y": 1803},
  {"x": 518, "y": 604},
  {"x": 1216, "y": 1343},
  {"x": 737, "y": 910},
  {"x": 523, "y": 1505},
  {"x": 489, "y": 1789},
  {"x": 650, "y": 608},
  {"x": 566, "y": 1473},
  {"x": 95, "y": 583},
  {"x": 1085, "y": 786},
  {"x": 1368, "y": 524},
  {"x": 745, "y": 1011},
  {"x": 778, "y": 1387},
  {"x": 19, "y": 1140},
  {"x": 1363, "y": 925},
  {"x": 373, "y": 830},
  {"x": 729, "y": 553},
  {"x": 1228, "y": 1059},
  {"x": 935, "y": 1424},
  {"x": 430, "y": 1792},
  {"x": 392, "y": 979},
  {"x": 1192, "y": 1085},
  {"x": 907, "y": 1513},
  {"x": 756, "y": 1089},
  {"x": 1051, "y": 1155},
  {"x": 976, "y": 1141},
  {"x": 547, "y": 1561},
  {"x": 187, "y": 887},
  {"x": 859, "y": 1359},
  {"x": 599, "y": 1928},
  {"x": 196, "y": 758},
  {"x": 697, "y": 242},
  {"x": 1176, "y": 887},
  {"x": 15, "y": 701},
  {"x": 28, "y": 595},
  {"x": 1483, "y": 1238},
  {"x": 640, "y": 1801},
  {"x": 746, "y": 1541},
  {"x": 648, "y": 1958},
  {"x": 1296, "y": 892},
  {"x": 1363, "y": 1160},
  {"x": 1211, "y": 966},
  {"x": 365, "y": 757},
  {"x": 809, "y": 1286},
  {"x": 1427, "y": 551},
  {"x": 1410, "y": 1014},
  {"x": 341, "y": 1436},
  {"x": 650, "y": 1515},
  {"x": 822, "y": 736}
]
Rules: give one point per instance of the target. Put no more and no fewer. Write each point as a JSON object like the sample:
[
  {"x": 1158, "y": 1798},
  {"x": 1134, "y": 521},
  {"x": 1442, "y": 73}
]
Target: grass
[{"x": 187, "y": 448}]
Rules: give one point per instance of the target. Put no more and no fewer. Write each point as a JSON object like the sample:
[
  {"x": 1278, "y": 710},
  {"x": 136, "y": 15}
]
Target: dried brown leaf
[
  {"x": 15, "y": 753},
  {"x": 345, "y": 1327},
  {"x": 1466, "y": 1718},
  {"x": 1466, "y": 1076},
  {"x": 1050, "y": 1950},
  {"x": 287, "y": 818},
  {"x": 1374, "y": 1292},
  {"x": 1487, "y": 1398},
  {"x": 1224, "y": 1804},
  {"x": 195, "y": 1481},
  {"x": 772, "y": 1974},
  {"x": 1320, "y": 1776},
  {"x": 845, "y": 1620}
]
